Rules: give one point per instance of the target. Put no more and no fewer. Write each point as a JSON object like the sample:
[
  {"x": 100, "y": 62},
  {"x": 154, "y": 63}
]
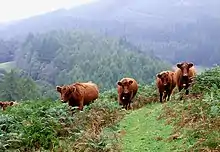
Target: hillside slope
[
  {"x": 173, "y": 30},
  {"x": 189, "y": 125},
  {"x": 142, "y": 131},
  {"x": 192, "y": 124}
]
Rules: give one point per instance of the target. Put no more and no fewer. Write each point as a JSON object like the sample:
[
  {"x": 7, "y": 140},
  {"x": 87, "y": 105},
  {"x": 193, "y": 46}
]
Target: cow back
[{"x": 88, "y": 91}]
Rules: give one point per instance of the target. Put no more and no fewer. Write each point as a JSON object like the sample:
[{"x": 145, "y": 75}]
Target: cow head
[
  {"x": 65, "y": 92},
  {"x": 184, "y": 66},
  {"x": 10, "y": 103},
  {"x": 125, "y": 89},
  {"x": 164, "y": 77}
]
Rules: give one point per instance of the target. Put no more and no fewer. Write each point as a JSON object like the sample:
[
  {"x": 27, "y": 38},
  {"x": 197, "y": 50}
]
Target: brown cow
[
  {"x": 78, "y": 94},
  {"x": 184, "y": 74},
  {"x": 127, "y": 89},
  {"x": 5, "y": 104},
  {"x": 165, "y": 83}
]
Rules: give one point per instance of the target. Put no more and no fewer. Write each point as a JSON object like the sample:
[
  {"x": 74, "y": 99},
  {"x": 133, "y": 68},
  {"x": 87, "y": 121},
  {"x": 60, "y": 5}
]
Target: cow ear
[
  {"x": 159, "y": 75},
  {"x": 130, "y": 82},
  {"x": 119, "y": 83},
  {"x": 190, "y": 64},
  {"x": 58, "y": 88},
  {"x": 179, "y": 65}
]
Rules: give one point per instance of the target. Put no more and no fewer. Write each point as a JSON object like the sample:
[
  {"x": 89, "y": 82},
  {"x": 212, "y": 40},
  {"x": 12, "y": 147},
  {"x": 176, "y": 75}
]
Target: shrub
[
  {"x": 51, "y": 125},
  {"x": 207, "y": 80}
]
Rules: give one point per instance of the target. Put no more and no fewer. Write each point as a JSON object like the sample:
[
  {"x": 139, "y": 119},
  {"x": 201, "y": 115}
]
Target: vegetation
[
  {"x": 197, "y": 118},
  {"x": 51, "y": 125},
  {"x": 146, "y": 133},
  {"x": 188, "y": 125},
  {"x": 7, "y": 50},
  {"x": 191, "y": 124},
  {"x": 45, "y": 125},
  {"x": 63, "y": 57},
  {"x": 15, "y": 87},
  {"x": 32, "y": 64}
]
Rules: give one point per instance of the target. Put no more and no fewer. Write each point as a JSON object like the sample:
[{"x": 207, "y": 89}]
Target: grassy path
[{"x": 143, "y": 132}]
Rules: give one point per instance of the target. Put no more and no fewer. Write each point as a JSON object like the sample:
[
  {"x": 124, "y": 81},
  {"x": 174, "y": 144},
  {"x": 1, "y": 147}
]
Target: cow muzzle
[
  {"x": 165, "y": 84},
  {"x": 185, "y": 78},
  {"x": 63, "y": 101},
  {"x": 125, "y": 96}
]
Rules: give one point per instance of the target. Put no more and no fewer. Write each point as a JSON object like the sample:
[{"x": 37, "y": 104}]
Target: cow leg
[
  {"x": 168, "y": 98},
  {"x": 126, "y": 106},
  {"x": 123, "y": 105},
  {"x": 187, "y": 91},
  {"x": 129, "y": 105},
  {"x": 180, "y": 88},
  {"x": 81, "y": 106},
  {"x": 165, "y": 96},
  {"x": 161, "y": 96}
]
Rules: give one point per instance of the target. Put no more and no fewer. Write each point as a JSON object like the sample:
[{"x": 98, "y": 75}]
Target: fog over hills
[{"x": 172, "y": 29}]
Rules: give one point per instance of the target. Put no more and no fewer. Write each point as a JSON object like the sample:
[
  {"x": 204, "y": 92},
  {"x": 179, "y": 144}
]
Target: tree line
[{"x": 64, "y": 57}]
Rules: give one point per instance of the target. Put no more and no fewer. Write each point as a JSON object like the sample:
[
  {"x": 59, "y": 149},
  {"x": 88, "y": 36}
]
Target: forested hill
[
  {"x": 63, "y": 57},
  {"x": 173, "y": 29}
]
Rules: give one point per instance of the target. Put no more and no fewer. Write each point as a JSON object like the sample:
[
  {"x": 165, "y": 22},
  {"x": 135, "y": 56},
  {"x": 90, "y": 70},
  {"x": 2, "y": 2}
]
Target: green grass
[
  {"x": 7, "y": 66},
  {"x": 192, "y": 124},
  {"x": 48, "y": 125},
  {"x": 144, "y": 132}
]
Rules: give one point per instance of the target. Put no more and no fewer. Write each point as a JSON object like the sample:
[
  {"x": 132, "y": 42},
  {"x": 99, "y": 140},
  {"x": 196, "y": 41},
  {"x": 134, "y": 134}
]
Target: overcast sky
[{"x": 18, "y": 9}]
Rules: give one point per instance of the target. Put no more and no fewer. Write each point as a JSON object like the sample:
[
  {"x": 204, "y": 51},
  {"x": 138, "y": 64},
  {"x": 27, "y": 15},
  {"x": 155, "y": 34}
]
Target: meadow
[{"x": 190, "y": 124}]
